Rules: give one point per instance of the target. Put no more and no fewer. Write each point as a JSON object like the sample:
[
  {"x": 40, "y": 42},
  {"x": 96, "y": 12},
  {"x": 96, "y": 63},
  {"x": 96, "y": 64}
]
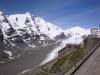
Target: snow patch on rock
[{"x": 8, "y": 52}]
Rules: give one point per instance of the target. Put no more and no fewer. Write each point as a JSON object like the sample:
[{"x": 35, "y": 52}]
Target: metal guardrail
[{"x": 78, "y": 65}]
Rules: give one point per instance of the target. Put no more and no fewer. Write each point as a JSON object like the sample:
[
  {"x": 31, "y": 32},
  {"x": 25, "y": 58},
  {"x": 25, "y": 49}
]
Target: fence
[{"x": 76, "y": 67}]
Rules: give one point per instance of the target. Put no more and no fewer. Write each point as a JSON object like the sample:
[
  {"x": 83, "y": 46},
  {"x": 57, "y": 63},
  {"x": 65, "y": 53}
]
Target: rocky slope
[{"x": 20, "y": 32}]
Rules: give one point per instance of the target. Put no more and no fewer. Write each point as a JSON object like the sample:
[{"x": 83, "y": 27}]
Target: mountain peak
[
  {"x": 28, "y": 13},
  {"x": 30, "y": 24},
  {"x": 78, "y": 30}
]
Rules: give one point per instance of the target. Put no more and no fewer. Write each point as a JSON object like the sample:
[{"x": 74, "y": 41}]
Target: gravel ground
[{"x": 25, "y": 62}]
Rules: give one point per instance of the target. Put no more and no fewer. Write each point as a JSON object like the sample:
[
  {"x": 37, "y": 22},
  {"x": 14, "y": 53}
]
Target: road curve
[{"x": 90, "y": 66}]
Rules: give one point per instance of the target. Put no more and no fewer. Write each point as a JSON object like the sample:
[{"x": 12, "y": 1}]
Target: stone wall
[{"x": 91, "y": 42}]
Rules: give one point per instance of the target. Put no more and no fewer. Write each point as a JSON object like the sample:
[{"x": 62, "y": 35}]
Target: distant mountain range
[{"x": 25, "y": 31}]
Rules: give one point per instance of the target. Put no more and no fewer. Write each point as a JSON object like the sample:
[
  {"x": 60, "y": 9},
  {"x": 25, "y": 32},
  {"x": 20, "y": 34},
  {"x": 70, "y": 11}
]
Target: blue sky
[{"x": 64, "y": 13}]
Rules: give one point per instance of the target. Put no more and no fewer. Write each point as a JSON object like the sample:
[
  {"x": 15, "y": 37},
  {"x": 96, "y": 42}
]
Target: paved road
[{"x": 91, "y": 66}]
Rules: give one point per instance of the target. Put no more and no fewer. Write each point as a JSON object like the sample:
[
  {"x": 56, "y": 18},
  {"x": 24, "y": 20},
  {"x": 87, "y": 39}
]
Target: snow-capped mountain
[
  {"x": 77, "y": 35},
  {"x": 78, "y": 31},
  {"x": 25, "y": 31},
  {"x": 34, "y": 23},
  {"x": 26, "y": 24},
  {"x": 47, "y": 28}
]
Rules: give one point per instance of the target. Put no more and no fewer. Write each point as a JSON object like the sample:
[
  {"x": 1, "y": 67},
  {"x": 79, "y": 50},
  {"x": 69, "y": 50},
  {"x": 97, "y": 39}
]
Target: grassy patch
[{"x": 66, "y": 63}]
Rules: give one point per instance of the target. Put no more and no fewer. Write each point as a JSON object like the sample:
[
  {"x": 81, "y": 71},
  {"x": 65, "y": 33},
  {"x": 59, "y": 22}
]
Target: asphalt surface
[
  {"x": 25, "y": 62},
  {"x": 91, "y": 66}
]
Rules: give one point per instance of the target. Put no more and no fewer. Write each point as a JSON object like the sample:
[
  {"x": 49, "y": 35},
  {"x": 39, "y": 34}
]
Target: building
[{"x": 95, "y": 32}]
